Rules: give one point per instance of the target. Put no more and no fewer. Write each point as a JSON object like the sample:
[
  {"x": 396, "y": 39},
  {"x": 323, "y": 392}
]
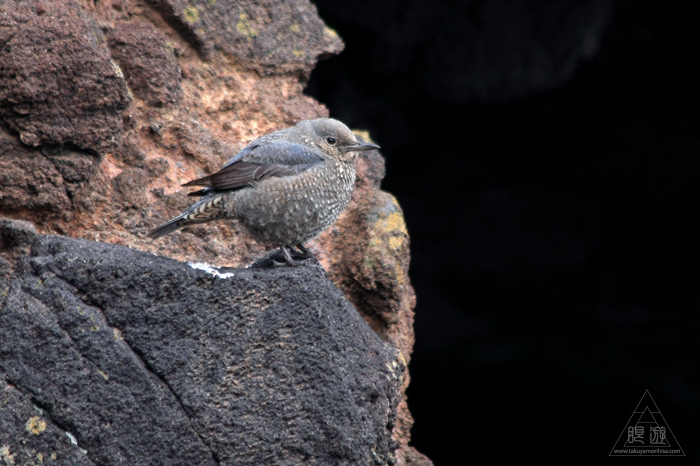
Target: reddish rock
[
  {"x": 30, "y": 182},
  {"x": 45, "y": 185},
  {"x": 148, "y": 63},
  {"x": 58, "y": 84},
  {"x": 12, "y": 15}
]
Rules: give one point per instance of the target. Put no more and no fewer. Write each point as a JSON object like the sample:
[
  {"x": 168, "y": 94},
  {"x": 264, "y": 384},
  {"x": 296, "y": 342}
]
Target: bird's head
[{"x": 335, "y": 139}]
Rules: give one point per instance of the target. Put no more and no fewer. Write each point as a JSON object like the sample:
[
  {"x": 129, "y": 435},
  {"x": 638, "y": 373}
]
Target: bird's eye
[{"x": 330, "y": 140}]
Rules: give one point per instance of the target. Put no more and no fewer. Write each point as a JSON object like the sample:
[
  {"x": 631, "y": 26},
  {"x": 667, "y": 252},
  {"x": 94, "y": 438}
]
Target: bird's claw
[{"x": 283, "y": 257}]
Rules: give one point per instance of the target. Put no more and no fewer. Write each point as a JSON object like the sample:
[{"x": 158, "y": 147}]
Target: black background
[{"x": 553, "y": 213}]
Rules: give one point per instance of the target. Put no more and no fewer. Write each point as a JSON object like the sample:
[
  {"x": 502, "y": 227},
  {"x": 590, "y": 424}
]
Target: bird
[{"x": 285, "y": 187}]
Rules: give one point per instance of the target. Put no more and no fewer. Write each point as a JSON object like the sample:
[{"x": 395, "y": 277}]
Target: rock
[
  {"x": 35, "y": 439},
  {"x": 146, "y": 360},
  {"x": 58, "y": 83},
  {"x": 79, "y": 157},
  {"x": 367, "y": 255},
  {"x": 175, "y": 129},
  {"x": 270, "y": 37},
  {"x": 148, "y": 63},
  {"x": 42, "y": 183},
  {"x": 12, "y": 15},
  {"x": 16, "y": 234},
  {"x": 29, "y": 181}
]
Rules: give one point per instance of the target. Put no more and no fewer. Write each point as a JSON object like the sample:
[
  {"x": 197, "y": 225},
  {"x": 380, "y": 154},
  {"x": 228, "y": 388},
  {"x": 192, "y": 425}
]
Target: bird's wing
[
  {"x": 274, "y": 159},
  {"x": 280, "y": 152}
]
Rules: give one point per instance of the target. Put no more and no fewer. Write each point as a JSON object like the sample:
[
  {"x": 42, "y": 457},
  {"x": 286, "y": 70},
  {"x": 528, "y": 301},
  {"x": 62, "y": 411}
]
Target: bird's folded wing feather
[
  {"x": 278, "y": 159},
  {"x": 282, "y": 152}
]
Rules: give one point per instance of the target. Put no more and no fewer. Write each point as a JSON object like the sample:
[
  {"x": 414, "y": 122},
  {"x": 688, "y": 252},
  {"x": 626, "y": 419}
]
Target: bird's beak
[{"x": 360, "y": 146}]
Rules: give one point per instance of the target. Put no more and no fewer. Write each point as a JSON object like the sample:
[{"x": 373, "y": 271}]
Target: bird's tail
[{"x": 206, "y": 210}]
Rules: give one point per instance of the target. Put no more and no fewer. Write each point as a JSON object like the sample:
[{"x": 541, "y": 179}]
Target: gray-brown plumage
[{"x": 286, "y": 187}]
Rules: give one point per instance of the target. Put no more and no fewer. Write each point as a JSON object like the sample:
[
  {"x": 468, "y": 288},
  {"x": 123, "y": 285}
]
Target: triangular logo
[{"x": 647, "y": 433}]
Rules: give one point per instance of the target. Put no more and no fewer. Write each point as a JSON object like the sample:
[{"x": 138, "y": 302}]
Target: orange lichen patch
[{"x": 392, "y": 229}]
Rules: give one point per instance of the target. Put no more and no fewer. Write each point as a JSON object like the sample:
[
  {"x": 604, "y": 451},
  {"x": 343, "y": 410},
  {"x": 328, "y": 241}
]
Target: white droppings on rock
[
  {"x": 210, "y": 269},
  {"x": 74, "y": 441}
]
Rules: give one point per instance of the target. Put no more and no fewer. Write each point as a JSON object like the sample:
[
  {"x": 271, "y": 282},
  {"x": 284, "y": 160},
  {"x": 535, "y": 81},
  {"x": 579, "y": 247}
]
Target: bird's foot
[
  {"x": 283, "y": 257},
  {"x": 305, "y": 252}
]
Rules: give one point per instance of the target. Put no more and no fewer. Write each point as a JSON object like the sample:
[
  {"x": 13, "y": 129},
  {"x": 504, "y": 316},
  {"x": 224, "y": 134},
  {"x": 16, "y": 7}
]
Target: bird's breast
[{"x": 294, "y": 209}]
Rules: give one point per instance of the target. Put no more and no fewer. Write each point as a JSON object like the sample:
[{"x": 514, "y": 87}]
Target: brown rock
[
  {"x": 270, "y": 37},
  {"x": 29, "y": 181},
  {"x": 43, "y": 184},
  {"x": 148, "y": 63},
  {"x": 58, "y": 83},
  {"x": 12, "y": 15}
]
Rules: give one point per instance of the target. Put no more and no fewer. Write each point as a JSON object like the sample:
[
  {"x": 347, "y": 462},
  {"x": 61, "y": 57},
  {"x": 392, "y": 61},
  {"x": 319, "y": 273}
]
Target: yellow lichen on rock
[
  {"x": 399, "y": 274},
  {"x": 6, "y": 456},
  {"x": 390, "y": 230},
  {"x": 388, "y": 239},
  {"x": 243, "y": 26},
  {"x": 330, "y": 32},
  {"x": 191, "y": 14},
  {"x": 395, "y": 222},
  {"x": 35, "y": 425}
]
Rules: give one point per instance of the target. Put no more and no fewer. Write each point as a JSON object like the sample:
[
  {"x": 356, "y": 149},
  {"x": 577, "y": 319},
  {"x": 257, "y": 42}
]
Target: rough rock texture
[
  {"x": 272, "y": 37},
  {"x": 41, "y": 441},
  {"x": 106, "y": 108},
  {"x": 58, "y": 83},
  {"x": 148, "y": 63},
  {"x": 146, "y": 360},
  {"x": 367, "y": 254}
]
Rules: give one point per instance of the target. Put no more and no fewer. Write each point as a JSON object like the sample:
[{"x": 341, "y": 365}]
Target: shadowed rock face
[{"x": 146, "y": 360}]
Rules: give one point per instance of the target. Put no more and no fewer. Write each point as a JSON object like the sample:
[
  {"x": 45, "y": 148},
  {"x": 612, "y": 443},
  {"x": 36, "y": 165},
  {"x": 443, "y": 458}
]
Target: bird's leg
[
  {"x": 274, "y": 258},
  {"x": 287, "y": 256},
  {"x": 303, "y": 250}
]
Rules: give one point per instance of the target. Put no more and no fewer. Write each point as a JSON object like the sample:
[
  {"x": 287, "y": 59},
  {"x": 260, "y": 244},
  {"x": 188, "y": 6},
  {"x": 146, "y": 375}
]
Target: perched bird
[{"x": 286, "y": 187}]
